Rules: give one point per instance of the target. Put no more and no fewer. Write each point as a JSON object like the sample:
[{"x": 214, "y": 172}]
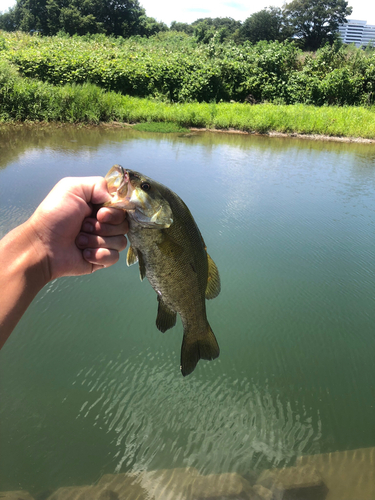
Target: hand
[
  {"x": 72, "y": 242},
  {"x": 59, "y": 239}
]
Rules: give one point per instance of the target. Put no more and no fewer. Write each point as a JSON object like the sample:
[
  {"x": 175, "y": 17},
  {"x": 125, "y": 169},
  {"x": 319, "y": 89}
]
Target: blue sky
[{"x": 190, "y": 10}]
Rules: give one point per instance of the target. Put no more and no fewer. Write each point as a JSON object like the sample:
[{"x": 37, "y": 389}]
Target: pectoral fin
[
  {"x": 166, "y": 318},
  {"x": 142, "y": 266},
  {"x": 135, "y": 256},
  {"x": 213, "y": 280},
  {"x": 132, "y": 256}
]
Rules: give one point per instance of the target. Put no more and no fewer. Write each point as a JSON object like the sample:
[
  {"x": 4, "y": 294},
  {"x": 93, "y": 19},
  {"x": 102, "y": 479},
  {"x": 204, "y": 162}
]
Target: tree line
[
  {"x": 309, "y": 23},
  {"x": 81, "y": 17}
]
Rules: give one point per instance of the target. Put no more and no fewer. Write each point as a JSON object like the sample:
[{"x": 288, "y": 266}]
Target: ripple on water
[{"x": 156, "y": 419}]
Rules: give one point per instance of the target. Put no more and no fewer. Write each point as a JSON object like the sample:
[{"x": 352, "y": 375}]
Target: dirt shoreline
[{"x": 314, "y": 137}]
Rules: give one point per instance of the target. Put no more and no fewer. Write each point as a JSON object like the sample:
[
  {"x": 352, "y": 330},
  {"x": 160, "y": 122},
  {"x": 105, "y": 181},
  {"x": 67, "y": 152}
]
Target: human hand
[{"x": 74, "y": 242}]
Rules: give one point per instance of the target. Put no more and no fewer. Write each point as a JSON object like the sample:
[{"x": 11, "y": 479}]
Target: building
[{"x": 358, "y": 32}]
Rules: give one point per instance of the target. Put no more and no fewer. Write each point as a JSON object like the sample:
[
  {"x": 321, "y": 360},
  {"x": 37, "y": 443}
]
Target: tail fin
[{"x": 196, "y": 347}]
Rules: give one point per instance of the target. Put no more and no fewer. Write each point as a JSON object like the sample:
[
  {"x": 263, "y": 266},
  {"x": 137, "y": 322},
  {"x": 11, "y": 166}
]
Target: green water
[{"x": 90, "y": 386}]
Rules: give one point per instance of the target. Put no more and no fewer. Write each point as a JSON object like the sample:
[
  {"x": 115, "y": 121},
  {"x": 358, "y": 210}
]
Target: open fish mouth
[
  {"x": 120, "y": 188},
  {"x": 139, "y": 196}
]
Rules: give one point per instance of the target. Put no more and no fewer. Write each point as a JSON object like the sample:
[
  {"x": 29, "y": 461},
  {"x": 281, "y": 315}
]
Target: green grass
[{"x": 24, "y": 99}]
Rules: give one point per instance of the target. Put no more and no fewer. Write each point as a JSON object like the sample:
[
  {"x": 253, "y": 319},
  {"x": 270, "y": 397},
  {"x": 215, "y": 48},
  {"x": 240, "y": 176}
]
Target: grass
[{"x": 24, "y": 99}]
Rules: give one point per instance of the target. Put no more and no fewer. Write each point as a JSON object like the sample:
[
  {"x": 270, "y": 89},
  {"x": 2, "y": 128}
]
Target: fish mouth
[
  {"x": 127, "y": 193},
  {"x": 120, "y": 189}
]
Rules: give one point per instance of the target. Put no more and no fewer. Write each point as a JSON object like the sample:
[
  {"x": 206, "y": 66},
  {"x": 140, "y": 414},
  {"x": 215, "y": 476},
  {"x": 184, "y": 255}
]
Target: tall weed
[{"x": 172, "y": 67}]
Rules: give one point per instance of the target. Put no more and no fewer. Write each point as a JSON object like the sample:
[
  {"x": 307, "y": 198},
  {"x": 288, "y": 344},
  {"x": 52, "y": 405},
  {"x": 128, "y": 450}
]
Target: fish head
[{"x": 140, "y": 196}]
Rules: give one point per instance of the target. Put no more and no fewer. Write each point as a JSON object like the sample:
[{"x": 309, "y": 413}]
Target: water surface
[{"x": 90, "y": 386}]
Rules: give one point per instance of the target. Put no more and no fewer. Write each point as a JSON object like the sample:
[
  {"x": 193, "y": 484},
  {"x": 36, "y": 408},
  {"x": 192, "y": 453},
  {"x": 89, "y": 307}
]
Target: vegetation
[
  {"x": 315, "y": 23},
  {"x": 310, "y": 22},
  {"x": 174, "y": 67},
  {"x": 28, "y": 99},
  {"x": 253, "y": 76},
  {"x": 117, "y": 17},
  {"x": 267, "y": 24},
  {"x": 222, "y": 28}
]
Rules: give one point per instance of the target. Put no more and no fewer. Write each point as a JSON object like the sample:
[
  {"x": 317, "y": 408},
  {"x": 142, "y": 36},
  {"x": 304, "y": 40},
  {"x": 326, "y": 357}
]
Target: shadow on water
[{"x": 91, "y": 392}]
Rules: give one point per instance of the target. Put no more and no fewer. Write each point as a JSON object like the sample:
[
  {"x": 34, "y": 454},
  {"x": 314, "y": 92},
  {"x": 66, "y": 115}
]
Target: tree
[
  {"x": 7, "y": 21},
  {"x": 316, "y": 22},
  {"x": 267, "y": 24},
  {"x": 149, "y": 26},
  {"x": 112, "y": 17},
  {"x": 185, "y": 27},
  {"x": 30, "y": 15},
  {"x": 74, "y": 16},
  {"x": 121, "y": 17},
  {"x": 206, "y": 28}
]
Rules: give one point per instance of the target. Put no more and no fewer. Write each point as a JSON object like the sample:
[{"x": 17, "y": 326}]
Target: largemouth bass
[{"x": 168, "y": 246}]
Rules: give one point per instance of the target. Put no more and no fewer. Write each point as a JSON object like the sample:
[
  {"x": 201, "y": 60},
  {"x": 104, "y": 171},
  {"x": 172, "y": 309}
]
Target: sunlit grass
[{"x": 26, "y": 99}]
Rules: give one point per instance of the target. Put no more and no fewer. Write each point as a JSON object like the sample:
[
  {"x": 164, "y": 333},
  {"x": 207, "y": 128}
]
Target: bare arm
[{"x": 59, "y": 239}]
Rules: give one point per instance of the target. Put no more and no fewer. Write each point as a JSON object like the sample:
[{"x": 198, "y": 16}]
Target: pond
[{"x": 89, "y": 386}]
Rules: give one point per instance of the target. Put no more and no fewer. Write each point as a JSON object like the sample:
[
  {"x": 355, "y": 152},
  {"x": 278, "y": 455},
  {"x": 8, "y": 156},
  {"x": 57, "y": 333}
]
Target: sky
[{"x": 189, "y": 10}]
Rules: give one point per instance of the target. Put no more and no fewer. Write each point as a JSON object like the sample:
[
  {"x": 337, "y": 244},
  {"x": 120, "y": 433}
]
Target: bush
[{"x": 173, "y": 67}]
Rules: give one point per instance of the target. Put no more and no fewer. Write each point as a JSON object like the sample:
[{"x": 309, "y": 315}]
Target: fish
[{"x": 171, "y": 253}]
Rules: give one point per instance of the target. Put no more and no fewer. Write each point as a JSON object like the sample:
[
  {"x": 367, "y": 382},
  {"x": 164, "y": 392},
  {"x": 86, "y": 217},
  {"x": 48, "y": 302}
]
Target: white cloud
[{"x": 187, "y": 10}]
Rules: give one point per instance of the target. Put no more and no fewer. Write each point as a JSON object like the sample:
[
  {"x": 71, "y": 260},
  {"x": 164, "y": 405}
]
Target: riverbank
[
  {"x": 313, "y": 137},
  {"x": 191, "y": 130},
  {"x": 29, "y": 100}
]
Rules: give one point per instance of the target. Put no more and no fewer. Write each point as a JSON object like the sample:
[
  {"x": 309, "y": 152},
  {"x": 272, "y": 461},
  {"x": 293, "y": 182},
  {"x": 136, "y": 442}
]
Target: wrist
[
  {"x": 24, "y": 272},
  {"x": 23, "y": 254}
]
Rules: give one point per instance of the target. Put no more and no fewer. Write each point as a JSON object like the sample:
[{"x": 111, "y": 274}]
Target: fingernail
[
  {"x": 105, "y": 216},
  {"x": 82, "y": 240},
  {"x": 87, "y": 227},
  {"x": 87, "y": 254}
]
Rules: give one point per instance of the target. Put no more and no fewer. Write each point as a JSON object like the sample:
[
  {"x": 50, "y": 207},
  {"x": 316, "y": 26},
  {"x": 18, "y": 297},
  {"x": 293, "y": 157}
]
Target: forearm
[
  {"x": 49, "y": 245},
  {"x": 22, "y": 275}
]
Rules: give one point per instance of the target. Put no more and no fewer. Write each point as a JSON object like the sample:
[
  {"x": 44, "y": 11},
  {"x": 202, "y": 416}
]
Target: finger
[
  {"x": 111, "y": 215},
  {"x": 90, "y": 189},
  {"x": 85, "y": 240},
  {"x": 100, "y": 257},
  {"x": 93, "y": 226}
]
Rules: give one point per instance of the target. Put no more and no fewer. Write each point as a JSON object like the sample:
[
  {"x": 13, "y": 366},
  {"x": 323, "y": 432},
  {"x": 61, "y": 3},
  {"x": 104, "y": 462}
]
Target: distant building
[{"x": 358, "y": 32}]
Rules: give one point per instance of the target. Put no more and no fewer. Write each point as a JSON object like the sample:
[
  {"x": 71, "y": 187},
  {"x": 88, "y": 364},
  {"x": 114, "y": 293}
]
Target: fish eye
[{"x": 145, "y": 186}]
